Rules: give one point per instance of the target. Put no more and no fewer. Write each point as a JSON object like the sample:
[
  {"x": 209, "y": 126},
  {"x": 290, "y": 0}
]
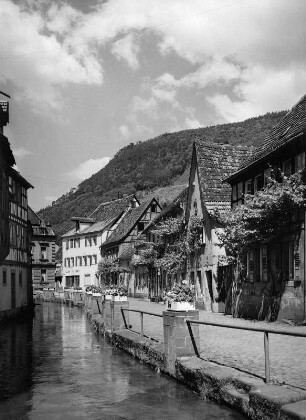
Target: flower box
[
  {"x": 96, "y": 294},
  {"x": 108, "y": 297},
  {"x": 180, "y": 306},
  {"x": 89, "y": 293},
  {"x": 119, "y": 298}
]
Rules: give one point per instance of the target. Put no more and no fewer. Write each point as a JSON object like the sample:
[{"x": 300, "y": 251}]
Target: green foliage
[
  {"x": 263, "y": 217},
  {"x": 175, "y": 242},
  {"x": 148, "y": 165}
]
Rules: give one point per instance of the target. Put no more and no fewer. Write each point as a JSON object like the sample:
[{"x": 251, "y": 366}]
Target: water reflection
[{"x": 57, "y": 368}]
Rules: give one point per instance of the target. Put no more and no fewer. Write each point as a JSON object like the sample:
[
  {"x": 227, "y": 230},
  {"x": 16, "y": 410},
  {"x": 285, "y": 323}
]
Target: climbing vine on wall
[
  {"x": 264, "y": 215},
  {"x": 175, "y": 240}
]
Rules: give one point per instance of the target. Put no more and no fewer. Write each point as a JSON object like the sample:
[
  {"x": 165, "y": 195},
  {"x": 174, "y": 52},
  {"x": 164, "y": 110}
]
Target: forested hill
[{"x": 144, "y": 166}]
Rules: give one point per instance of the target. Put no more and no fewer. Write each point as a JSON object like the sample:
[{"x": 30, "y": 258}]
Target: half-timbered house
[{"x": 273, "y": 286}]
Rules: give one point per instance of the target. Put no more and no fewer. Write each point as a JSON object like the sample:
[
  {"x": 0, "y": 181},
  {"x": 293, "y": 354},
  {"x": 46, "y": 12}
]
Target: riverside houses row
[
  {"x": 15, "y": 256},
  {"x": 81, "y": 245},
  {"x": 273, "y": 286}
]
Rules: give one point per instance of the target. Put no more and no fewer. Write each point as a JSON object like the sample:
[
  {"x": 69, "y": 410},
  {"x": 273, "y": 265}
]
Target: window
[
  {"x": 299, "y": 162},
  {"x": 249, "y": 187},
  {"x": 94, "y": 239},
  {"x": 140, "y": 226},
  {"x": 94, "y": 259},
  {"x": 43, "y": 252},
  {"x": 4, "y": 278},
  {"x": 67, "y": 244},
  {"x": 85, "y": 260},
  {"x": 80, "y": 260},
  {"x": 90, "y": 260},
  {"x": 72, "y": 261},
  {"x": 253, "y": 265},
  {"x": 43, "y": 275},
  {"x": 20, "y": 278},
  {"x": 267, "y": 175},
  {"x": 195, "y": 208},
  {"x": 259, "y": 182},
  {"x": 237, "y": 194},
  {"x": 71, "y": 243},
  {"x": 263, "y": 264},
  {"x": 153, "y": 208},
  {"x": 288, "y": 167}
]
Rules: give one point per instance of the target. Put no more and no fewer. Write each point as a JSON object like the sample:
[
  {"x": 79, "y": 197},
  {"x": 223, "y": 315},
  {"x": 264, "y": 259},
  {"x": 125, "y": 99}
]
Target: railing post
[
  {"x": 267, "y": 357},
  {"x": 141, "y": 324},
  {"x": 194, "y": 344},
  {"x": 112, "y": 316},
  {"x": 123, "y": 316}
]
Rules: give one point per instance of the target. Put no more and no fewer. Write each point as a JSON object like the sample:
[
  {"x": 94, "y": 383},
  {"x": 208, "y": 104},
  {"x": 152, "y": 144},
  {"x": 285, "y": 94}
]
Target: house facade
[
  {"x": 119, "y": 248},
  {"x": 15, "y": 271},
  {"x": 273, "y": 285},
  {"x": 43, "y": 249},
  {"x": 146, "y": 268},
  {"x": 81, "y": 245},
  {"x": 6, "y": 161},
  {"x": 15, "y": 258},
  {"x": 211, "y": 163}
]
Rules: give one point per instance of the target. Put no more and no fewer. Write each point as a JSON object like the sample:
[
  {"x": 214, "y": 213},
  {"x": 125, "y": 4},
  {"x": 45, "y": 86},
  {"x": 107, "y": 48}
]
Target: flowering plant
[
  {"x": 180, "y": 293},
  {"x": 116, "y": 291},
  {"x": 93, "y": 289}
]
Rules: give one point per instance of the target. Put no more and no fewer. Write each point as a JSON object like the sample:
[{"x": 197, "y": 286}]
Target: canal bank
[
  {"x": 56, "y": 367},
  {"x": 244, "y": 392}
]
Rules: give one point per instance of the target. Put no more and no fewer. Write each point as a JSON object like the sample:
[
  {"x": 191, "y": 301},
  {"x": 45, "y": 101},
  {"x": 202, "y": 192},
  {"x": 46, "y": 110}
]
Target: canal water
[{"x": 57, "y": 367}]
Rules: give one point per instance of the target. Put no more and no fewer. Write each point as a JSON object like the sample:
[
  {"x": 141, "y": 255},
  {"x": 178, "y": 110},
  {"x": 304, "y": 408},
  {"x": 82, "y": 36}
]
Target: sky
[{"x": 88, "y": 77}]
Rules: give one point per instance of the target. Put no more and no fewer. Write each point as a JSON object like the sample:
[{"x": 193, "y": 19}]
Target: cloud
[
  {"x": 88, "y": 168},
  {"x": 127, "y": 49},
  {"x": 21, "y": 152},
  {"x": 124, "y": 132},
  {"x": 38, "y": 62},
  {"x": 48, "y": 45}
]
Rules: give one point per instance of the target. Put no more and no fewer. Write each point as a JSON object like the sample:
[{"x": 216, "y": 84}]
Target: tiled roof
[
  {"x": 290, "y": 126},
  {"x": 127, "y": 223},
  {"x": 95, "y": 227},
  {"x": 108, "y": 210},
  {"x": 6, "y": 150},
  {"x": 103, "y": 215},
  {"x": 216, "y": 162},
  {"x": 33, "y": 217}
]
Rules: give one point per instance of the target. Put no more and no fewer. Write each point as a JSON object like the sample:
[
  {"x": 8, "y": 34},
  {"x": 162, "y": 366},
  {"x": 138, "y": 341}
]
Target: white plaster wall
[{"x": 82, "y": 270}]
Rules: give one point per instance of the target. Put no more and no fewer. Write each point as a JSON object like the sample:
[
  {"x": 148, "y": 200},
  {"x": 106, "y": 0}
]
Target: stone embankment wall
[{"x": 175, "y": 356}]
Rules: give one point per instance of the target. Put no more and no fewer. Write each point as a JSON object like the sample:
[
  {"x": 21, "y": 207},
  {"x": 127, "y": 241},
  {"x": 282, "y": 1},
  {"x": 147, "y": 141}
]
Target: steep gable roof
[
  {"x": 181, "y": 198},
  {"x": 289, "y": 127},
  {"x": 107, "y": 210},
  {"x": 215, "y": 163},
  {"x": 128, "y": 222},
  {"x": 38, "y": 225}
]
